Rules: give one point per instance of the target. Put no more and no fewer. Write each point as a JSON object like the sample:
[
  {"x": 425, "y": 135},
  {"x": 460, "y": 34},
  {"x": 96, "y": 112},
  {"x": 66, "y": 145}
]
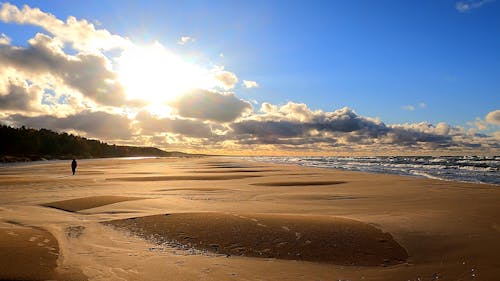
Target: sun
[{"x": 154, "y": 74}]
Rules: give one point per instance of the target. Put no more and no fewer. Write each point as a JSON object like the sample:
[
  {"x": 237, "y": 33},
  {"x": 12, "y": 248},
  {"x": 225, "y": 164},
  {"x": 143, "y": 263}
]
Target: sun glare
[{"x": 154, "y": 74}]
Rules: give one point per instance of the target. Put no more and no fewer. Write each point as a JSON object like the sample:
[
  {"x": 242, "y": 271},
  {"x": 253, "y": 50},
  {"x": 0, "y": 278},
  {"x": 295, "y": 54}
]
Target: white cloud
[
  {"x": 479, "y": 124},
  {"x": 226, "y": 79},
  {"x": 87, "y": 73},
  {"x": 81, "y": 34},
  {"x": 296, "y": 112},
  {"x": 268, "y": 108},
  {"x": 37, "y": 94},
  {"x": 4, "y": 39},
  {"x": 250, "y": 84},
  {"x": 414, "y": 107},
  {"x": 493, "y": 117},
  {"x": 467, "y": 5},
  {"x": 186, "y": 39}
]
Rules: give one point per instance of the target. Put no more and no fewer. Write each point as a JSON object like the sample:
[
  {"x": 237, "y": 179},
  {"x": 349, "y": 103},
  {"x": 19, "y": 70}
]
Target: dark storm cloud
[
  {"x": 345, "y": 120},
  {"x": 340, "y": 122},
  {"x": 287, "y": 141},
  {"x": 207, "y": 105},
  {"x": 270, "y": 129},
  {"x": 344, "y": 124},
  {"x": 409, "y": 137}
]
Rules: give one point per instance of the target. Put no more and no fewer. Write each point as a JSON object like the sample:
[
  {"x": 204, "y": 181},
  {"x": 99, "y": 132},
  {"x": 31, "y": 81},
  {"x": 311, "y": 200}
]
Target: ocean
[{"x": 475, "y": 169}]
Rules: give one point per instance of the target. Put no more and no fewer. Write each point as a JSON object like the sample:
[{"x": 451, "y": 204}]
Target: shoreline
[{"x": 260, "y": 214}]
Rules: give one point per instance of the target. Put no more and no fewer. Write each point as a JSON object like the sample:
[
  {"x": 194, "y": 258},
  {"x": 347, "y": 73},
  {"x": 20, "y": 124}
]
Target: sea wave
[{"x": 476, "y": 169}]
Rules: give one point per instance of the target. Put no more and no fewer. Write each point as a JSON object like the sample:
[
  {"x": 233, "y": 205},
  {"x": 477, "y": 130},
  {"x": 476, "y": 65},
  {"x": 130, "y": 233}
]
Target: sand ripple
[
  {"x": 78, "y": 204},
  {"x": 298, "y": 183}
]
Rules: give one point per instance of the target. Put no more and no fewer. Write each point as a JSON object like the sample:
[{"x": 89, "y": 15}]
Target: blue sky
[
  {"x": 373, "y": 56},
  {"x": 400, "y": 61}
]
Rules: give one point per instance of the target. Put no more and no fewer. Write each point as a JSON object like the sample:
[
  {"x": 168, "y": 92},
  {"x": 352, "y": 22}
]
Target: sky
[{"x": 258, "y": 77}]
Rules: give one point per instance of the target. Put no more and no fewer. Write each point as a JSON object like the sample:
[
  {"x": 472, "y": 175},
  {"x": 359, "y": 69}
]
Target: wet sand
[
  {"x": 225, "y": 219},
  {"x": 291, "y": 237}
]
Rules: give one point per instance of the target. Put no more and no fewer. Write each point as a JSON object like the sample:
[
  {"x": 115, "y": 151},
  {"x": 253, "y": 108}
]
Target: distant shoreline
[{"x": 31, "y": 158}]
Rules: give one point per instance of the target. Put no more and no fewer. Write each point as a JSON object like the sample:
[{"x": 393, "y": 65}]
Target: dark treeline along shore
[{"x": 26, "y": 144}]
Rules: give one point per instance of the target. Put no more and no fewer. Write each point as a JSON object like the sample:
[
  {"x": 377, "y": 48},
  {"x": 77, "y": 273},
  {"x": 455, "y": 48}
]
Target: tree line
[{"x": 25, "y": 144}]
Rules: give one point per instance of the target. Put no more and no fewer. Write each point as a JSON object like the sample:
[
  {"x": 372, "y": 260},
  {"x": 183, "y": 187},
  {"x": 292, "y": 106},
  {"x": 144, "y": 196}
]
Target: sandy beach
[{"x": 225, "y": 219}]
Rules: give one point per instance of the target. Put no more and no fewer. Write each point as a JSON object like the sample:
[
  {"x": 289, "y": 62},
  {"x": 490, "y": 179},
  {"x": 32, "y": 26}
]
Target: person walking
[{"x": 73, "y": 166}]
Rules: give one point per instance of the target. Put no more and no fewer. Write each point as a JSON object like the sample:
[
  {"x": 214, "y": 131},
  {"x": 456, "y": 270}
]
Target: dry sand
[{"x": 225, "y": 219}]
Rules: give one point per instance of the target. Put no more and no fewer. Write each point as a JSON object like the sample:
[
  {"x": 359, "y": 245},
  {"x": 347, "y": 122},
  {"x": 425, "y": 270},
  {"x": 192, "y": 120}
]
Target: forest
[{"x": 26, "y": 144}]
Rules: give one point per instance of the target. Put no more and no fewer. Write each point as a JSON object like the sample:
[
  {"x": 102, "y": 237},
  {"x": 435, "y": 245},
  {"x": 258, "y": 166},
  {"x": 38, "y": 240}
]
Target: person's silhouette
[{"x": 73, "y": 166}]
